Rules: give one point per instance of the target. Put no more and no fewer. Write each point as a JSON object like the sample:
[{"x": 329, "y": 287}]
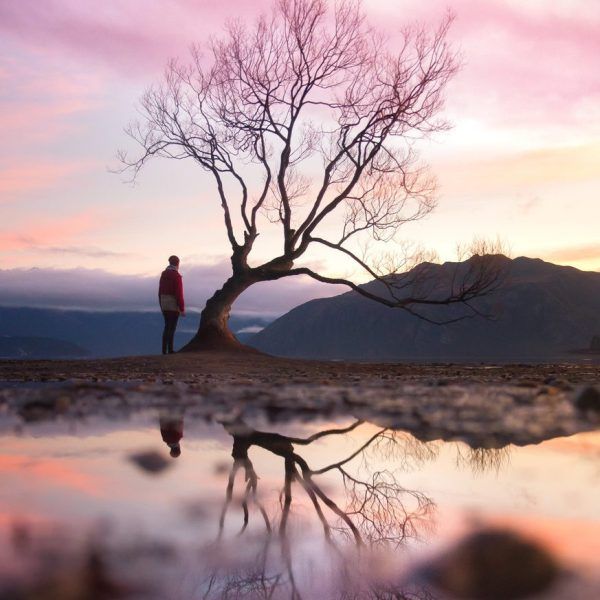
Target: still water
[{"x": 163, "y": 506}]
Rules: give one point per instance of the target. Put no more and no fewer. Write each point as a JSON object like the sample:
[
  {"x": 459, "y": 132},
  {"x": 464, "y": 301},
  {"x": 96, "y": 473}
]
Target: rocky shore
[{"x": 486, "y": 406}]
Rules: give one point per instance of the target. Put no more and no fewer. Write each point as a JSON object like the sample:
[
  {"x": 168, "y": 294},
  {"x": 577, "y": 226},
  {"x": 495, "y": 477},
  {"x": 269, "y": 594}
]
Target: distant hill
[
  {"x": 98, "y": 334},
  {"x": 542, "y": 311},
  {"x": 38, "y": 347}
]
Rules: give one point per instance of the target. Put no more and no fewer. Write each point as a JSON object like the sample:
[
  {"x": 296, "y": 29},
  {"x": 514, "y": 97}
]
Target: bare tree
[{"x": 307, "y": 121}]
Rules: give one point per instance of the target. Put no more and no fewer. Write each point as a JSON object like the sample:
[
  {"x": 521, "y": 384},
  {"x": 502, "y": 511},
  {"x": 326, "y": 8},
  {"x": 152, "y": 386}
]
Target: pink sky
[{"x": 522, "y": 162}]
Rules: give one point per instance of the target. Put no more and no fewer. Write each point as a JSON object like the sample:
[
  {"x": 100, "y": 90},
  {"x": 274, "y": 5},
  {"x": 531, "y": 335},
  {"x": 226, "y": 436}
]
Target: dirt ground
[{"x": 259, "y": 368}]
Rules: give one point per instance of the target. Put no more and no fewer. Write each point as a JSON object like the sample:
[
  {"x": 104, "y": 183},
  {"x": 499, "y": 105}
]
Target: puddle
[{"x": 165, "y": 505}]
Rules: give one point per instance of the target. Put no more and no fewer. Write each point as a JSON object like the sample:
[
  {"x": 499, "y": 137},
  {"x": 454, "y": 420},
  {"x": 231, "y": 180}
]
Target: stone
[
  {"x": 588, "y": 399},
  {"x": 150, "y": 461},
  {"x": 494, "y": 564}
]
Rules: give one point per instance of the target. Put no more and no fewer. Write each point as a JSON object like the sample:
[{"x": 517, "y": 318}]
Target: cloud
[
  {"x": 543, "y": 166},
  {"x": 87, "y": 251},
  {"x": 250, "y": 329},
  {"x": 524, "y": 62},
  {"x": 51, "y": 232},
  {"x": 581, "y": 253},
  {"x": 94, "y": 289},
  {"x": 130, "y": 37},
  {"x": 29, "y": 175},
  {"x": 43, "y": 98}
]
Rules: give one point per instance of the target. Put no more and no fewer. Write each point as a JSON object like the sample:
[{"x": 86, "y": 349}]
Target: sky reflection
[{"x": 349, "y": 504}]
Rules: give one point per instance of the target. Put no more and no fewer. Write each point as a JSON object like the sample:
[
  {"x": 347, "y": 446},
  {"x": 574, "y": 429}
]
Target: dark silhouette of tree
[
  {"x": 307, "y": 121},
  {"x": 374, "y": 511},
  {"x": 480, "y": 459},
  {"x": 377, "y": 509},
  {"x": 376, "y": 504}
]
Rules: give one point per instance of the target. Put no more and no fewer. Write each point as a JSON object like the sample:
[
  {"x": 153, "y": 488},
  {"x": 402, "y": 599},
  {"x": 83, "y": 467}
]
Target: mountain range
[
  {"x": 539, "y": 311},
  {"x": 54, "y": 333}
]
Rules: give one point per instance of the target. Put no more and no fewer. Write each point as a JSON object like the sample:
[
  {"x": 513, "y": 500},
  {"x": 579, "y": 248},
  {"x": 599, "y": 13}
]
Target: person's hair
[
  {"x": 173, "y": 260},
  {"x": 175, "y": 450}
]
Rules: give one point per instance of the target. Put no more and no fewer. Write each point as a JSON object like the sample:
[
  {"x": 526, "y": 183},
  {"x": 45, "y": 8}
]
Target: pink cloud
[
  {"x": 41, "y": 98},
  {"x": 18, "y": 178},
  {"x": 131, "y": 36},
  {"x": 523, "y": 62},
  {"x": 50, "y": 232}
]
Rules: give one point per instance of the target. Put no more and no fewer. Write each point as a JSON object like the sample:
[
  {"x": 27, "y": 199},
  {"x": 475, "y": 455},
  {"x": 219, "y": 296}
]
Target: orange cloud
[
  {"x": 51, "y": 471},
  {"x": 580, "y": 253},
  {"x": 513, "y": 172}
]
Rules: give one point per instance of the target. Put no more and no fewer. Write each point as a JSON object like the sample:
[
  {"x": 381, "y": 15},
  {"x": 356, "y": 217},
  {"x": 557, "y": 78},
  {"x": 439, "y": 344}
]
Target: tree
[{"x": 306, "y": 121}]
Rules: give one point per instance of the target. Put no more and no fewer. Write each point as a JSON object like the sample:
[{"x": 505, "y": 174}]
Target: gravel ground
[{"x": 483, "y": 405}]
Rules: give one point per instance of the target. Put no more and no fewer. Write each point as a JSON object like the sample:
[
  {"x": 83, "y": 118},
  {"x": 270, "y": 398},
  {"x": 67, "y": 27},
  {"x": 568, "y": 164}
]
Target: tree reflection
[
  {"x": 374, "y": 509},
  {"x": 480, "y": 460},
  {"x": 378, "y": 509},
  {"x": 360, "y": 507}
]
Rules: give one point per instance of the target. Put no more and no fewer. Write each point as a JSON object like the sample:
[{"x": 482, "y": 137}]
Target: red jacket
[
  {"x": 171, "y": 430},
  {"x": 171, "y": 283}
]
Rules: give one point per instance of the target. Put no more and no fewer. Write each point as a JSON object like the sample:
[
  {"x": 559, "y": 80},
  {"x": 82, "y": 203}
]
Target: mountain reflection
[{"x": 361, "y": 508}]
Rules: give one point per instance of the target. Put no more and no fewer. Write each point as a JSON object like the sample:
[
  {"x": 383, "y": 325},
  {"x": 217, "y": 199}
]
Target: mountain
[
  {"x": 99, "y": 334},
  {"x": 38, "y": 347},
  {"x": 540, "y": 311}
]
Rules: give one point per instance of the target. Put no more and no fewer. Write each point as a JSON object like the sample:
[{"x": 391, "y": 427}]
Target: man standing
[{"x": 170, "y": 297}]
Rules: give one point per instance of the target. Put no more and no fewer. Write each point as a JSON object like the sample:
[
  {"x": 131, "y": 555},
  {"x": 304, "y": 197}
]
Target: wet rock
[
  {"x": 38, "y": 410},
  {"x": 588, "y": 399},
  {"x": 150, "y": 461},
  {"x": 495, "y": 565},
  {"x": 528, "y": 383},
  {"x": 557, "y": 382}
]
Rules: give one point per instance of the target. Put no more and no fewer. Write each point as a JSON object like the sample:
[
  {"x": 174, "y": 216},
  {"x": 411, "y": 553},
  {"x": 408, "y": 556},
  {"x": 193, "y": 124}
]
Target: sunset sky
[{"x": 522, "y": 162}]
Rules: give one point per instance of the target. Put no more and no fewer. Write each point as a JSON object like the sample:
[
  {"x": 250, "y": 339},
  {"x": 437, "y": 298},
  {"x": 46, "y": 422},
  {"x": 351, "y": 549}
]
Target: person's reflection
[{"x": 171, "y": 430}]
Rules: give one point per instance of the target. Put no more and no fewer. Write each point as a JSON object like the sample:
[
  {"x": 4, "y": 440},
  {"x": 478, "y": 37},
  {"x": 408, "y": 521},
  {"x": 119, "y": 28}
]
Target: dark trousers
[{"x": 171, "y": 318}]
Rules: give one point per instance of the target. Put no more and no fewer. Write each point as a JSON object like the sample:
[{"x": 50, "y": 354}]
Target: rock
[
  {"x": 494, "y": 565},
  {"x": 588, "y": 399},
  {"x": 528, "y": 383},
  {"x": 38, "y": 410},
  {"x": 150, "y": 461}
]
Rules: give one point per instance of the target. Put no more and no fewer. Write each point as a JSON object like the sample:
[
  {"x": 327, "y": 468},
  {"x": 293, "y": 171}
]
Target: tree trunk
[{"x": 213, "y": 332}]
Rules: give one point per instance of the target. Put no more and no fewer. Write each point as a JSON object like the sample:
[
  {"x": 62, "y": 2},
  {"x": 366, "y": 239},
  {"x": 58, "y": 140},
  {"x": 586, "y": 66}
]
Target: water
[{"x": 99, "y": 508}]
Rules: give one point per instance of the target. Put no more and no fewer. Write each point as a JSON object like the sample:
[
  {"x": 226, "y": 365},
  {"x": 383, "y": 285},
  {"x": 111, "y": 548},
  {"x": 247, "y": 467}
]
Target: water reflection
[
  {"x": 377, "y": 507},
  {"x": 171, "y": 431},
  {"x": 364, "y": 514},
  {"x": 342, "y": 510}
]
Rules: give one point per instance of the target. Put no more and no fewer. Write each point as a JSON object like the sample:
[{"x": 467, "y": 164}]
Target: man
[{"x": 170, "y": 297}]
